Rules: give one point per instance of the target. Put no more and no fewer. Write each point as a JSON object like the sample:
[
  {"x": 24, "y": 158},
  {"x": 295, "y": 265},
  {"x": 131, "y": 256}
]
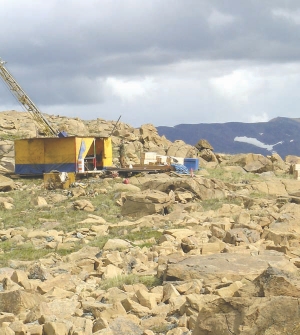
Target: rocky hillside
[
  {"x": 214, "y": 253},
  {"x": 14, "y": 125}
]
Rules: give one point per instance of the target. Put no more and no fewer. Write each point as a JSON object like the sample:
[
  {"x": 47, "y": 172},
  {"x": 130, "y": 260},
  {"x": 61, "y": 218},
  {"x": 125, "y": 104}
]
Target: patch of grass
[
  {"x": 211, "y": 204},
  {"x": 27, "y": 215},
  {"x": 6, "y": 245},
  {"x": 145, "y": 244},
  {"x": 12, "y": 137},
  {"x": 231, "y": 176},
  {"x": 216, "y": 173},
  {"x": 22, "y": 252},
  {"x": 143, "y": 234},
  {"x": 119, "y": 281},
  {"x": 28, "y": 252},
  {"x": 100, "y": 241},
  {"x": 161, "y": 329},
  {"x": 262, "y": 195},
  {"x": 65, "y": 252},
  {"x": 215, "y": 204},
  {"x": 285, "y": 176}
]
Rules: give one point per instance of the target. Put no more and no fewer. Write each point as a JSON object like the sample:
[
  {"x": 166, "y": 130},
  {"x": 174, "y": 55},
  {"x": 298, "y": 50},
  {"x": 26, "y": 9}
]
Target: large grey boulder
[
  {"x": 19, "y": 301},
  {"x": 249, "y": 316},
  {"x": 147, "y": 202},
  {"x": 275, "y": 282},
  {"x": 181, "y": 149}
]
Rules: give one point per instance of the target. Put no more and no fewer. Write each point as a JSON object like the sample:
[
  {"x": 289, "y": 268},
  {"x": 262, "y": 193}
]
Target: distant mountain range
[{"x": 280, "y": 135}]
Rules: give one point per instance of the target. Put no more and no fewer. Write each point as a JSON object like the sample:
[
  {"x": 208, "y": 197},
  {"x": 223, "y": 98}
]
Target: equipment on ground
[
  {"x": 57, "y": 151},
  {"x": 82, "y": 155},
  {"x": 115, "y": 126},
  {"x": 44, "y": 126}
]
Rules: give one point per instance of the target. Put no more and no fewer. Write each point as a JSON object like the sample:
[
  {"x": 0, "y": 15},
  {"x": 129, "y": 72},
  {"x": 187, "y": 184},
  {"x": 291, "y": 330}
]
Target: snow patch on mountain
[{"x": 256, "y": 142}]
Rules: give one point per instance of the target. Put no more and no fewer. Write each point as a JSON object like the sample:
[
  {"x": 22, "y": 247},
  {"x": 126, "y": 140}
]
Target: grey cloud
[
  {"x": 179, "y": 29},
  {"x": 62, "y": 52}
]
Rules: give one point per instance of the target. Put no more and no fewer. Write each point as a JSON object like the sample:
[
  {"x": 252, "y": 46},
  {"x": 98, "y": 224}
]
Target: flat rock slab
[
  {"x": 212, "y": 268},
  {"x": 200, "y": 187}
]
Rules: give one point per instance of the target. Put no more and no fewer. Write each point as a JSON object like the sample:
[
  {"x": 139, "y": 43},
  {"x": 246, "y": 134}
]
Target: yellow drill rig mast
[{"x": 42, "y": 123}]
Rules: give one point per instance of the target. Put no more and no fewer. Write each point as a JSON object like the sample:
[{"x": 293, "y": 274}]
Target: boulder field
[{"x": 213, "y": 253}]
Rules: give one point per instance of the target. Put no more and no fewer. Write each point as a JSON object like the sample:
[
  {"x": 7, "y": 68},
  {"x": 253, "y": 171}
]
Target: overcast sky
[{"x": 164, "y": 62}]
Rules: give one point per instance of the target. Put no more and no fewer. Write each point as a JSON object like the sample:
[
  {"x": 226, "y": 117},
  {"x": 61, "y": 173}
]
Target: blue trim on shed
[{"x": 44, "y": 168}]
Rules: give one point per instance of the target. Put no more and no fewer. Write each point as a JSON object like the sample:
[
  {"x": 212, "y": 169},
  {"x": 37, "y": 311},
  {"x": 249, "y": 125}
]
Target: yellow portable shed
[{"x": 63, "y": 154}]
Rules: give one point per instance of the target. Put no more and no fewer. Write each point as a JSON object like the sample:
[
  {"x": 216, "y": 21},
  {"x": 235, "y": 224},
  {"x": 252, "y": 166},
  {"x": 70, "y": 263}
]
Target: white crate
[
  {"x": 163, "y": 159},
  {"x": 148, "y": 155},
  {"x": 149, "y": 161},
  {"x": 296, "y": 167}
]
